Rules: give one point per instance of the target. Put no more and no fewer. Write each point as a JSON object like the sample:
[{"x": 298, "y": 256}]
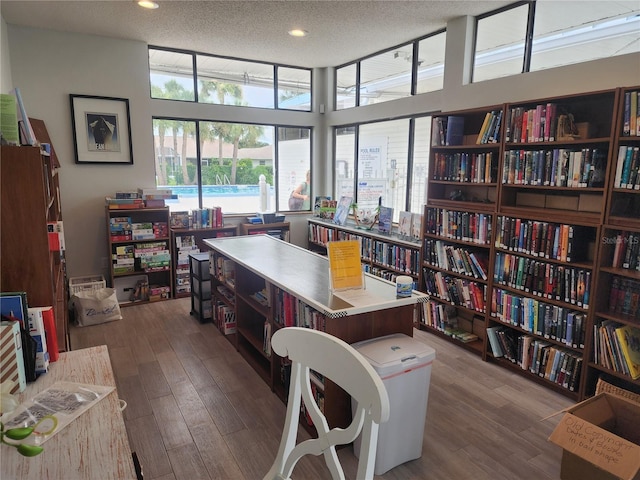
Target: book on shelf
[
  {"x": 629, "y": 340},
  {"x": 342, "y": 210},
  {"x": 631, "y": 114},
  {"x": 416, "y": 226},
  {"x": 9, "y": 119},
  {"x": 27, "y": 135},
  {"x": 454, "y": 134},
  {"x": 404, "y": 224},
  {"x": 385, "y": 219}
]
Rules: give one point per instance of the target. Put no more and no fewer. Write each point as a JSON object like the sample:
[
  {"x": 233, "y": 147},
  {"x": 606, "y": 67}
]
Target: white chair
[{"x": 338, "y": 361}]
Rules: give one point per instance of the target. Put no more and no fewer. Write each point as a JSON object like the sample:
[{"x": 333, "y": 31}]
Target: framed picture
[{"x": 101, "y": 129}]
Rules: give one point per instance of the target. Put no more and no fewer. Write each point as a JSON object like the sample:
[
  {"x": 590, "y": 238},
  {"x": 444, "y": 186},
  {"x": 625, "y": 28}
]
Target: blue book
[
  {"x": 455, "y": 130},
  {"x": 385, "y": 219}
]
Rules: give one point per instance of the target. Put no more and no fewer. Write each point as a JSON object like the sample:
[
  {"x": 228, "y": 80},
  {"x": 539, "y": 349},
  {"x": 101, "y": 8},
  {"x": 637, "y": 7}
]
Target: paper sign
[{"x": 345, "y": 269}]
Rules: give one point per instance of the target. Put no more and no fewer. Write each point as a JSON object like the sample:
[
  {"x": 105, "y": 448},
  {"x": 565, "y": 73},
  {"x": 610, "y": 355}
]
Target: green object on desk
[{"x": 20, "y": 434}]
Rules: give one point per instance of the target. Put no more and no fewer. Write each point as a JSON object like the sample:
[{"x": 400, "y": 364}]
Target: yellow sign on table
[{"x": 345, "y": 269}]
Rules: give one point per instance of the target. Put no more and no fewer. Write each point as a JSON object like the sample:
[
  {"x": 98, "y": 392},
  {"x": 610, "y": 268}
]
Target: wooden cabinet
[
  {"x": 141, "y": 263},
  {"x": 383, "y": 255},
  {"x": 274, "y": 285},
  {"x": 185, "y": 241},
  {"x": 30, "y": 202},
  {"x": 617, "y": 291}
]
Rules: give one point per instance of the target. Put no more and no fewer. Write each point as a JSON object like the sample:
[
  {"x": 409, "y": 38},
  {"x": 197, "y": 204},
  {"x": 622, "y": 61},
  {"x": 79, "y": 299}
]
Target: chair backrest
[{"x": 342, "y": 364}]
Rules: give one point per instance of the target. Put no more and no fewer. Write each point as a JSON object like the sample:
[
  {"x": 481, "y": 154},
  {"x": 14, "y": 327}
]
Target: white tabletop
[{"x": 305, "y": 275}]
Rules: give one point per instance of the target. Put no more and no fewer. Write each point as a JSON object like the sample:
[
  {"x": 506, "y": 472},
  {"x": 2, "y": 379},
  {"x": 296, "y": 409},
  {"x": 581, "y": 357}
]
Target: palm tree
[
  {"x": 221, "y": 91},
  {"x": 241, "y": 134},
  {"x": 177, "y": 92}
]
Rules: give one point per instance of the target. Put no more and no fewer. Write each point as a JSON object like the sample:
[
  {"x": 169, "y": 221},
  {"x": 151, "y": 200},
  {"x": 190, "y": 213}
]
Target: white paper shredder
[{"x": 404, "y": 364}]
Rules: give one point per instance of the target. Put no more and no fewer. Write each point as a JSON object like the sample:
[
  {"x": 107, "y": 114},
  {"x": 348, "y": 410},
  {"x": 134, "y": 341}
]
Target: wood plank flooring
[{"x": 197, "y": 410}]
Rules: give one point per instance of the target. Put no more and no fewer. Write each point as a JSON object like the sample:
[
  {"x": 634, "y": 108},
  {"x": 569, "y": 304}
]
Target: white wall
[{"x": 48, "y": 66}]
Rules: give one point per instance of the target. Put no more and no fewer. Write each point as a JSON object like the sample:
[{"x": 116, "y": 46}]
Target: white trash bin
[{"x": 404, "y": 364}]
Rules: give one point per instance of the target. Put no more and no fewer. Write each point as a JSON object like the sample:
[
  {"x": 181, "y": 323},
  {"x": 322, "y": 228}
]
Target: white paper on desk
[
  {"x": 64, "y": 401},
  {"x": 358, "y": 297}
]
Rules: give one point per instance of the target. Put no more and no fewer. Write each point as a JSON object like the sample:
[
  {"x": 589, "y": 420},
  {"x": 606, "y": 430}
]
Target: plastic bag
[{"x": 96, "y": 306}]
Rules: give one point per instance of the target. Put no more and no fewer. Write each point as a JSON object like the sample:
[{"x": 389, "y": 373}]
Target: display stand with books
[
  {"x": 277, "y": 284},
  {"x": 279, "y": 230},
  {"x": 139, "y": 245},
  {"x": 185, "y": 241},
  {"x": 383, "y": 255}
]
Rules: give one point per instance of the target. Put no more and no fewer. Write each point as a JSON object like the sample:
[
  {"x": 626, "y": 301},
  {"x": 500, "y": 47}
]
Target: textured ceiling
[{"x": 339, "y": 31}]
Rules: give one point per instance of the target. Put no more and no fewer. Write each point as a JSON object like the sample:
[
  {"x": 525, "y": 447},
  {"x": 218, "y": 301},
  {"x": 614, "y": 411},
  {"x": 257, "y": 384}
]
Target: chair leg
[{"x": 137, "y": 466}]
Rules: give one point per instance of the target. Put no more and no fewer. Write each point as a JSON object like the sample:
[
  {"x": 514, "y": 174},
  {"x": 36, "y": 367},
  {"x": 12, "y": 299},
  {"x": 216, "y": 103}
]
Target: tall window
[
  {"x": 190, "y": 76},
  {"x": 224, "y": 167},
  {"x": 389, "y": 75},
  {"x": 530, "y": 36}
]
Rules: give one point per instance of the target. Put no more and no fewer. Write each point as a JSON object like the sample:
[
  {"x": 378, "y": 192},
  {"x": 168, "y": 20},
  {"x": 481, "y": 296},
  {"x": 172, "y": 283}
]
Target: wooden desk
[{"x": 94, "y": 445}]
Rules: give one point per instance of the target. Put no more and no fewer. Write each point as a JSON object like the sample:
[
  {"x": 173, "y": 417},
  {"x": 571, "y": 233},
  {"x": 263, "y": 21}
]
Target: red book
[{"x": 50, "y": 333}]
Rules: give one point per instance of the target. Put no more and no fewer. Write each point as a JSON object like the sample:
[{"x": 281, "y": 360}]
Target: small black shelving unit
[{"x": 200, "y": 286}]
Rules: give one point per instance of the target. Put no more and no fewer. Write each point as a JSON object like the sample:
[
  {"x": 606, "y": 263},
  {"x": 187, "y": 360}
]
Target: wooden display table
[{"x": 94, "y": 445}]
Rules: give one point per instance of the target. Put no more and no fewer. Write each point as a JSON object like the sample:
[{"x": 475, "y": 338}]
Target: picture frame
[{"x": 101, "y": 129}]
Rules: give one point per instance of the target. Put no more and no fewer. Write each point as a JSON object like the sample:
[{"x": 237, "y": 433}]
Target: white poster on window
[{"x": 371, "y": 157}]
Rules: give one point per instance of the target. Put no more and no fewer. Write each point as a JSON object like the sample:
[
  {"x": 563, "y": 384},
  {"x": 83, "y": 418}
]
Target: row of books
[
  {"x": 567, "y": 243},
  {"x": 628, "y": 168},
  {"x": 443, "y": 318},
  {"x": 208, "y": 217},
  {"x": 384, "y": 273},
  {"x": 490, "y": 129},
  {"x": 626, "y": 253},
  {"x": 543, "y": 123},
  {"x": 558, "y": 282},
  {"x": 556, "y": 364},
  {"x": 124, "y": 203},
  {"x": 624, "y": 297},
  {"x": 553, "y": 322},
  {"x": 559, "y": 167},
  {"x": 447, "y": 131},
  {"x": 402, "y": 259},
  {"x": 457, "y": 291},
  {"x": 617, "y": 347},
  {"x": 631, "y": 115},
  {"x": 465, "y": 167},
  {"x": 224, "y": 317},
  {"x": 290, "y": 311},
  {"x": 455, "y": 259},
  {"x": 459, "y": 225}
]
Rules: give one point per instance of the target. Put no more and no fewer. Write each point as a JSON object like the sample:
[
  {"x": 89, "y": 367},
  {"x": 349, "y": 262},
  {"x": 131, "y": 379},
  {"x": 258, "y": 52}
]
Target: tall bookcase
[
  {"x": 458, "y": 224},
  {"x": 617, "y": 293},
  {"x": 544, "y": 204},
  {"x": 385, "y": 255},
  {"x": 31, "y": 201},
  {"x": 140, "y": 251}
]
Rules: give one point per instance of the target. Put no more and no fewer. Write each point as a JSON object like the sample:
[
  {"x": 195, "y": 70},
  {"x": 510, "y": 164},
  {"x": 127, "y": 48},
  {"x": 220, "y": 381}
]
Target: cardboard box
[
  {"x": 600, "y": 438},
  {"x": 562, "y": 202},
  {"x": 526, "y": 199},
  {"x": 590, "y": 203}
]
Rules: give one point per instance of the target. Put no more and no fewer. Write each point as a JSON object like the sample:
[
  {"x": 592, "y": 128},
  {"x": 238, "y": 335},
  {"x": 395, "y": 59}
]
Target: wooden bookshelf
[
  {"x": 555, "y": 174},
  {"x": 128, "y": 252},
  {"x": 279, "y": 230},
  {"x": 30, "y": 201},
  {"x": 618, "y": 279}
]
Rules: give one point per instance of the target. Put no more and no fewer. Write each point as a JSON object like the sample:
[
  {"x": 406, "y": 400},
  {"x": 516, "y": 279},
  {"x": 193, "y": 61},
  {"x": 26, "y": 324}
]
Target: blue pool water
[{"x": 217, "y": 190}]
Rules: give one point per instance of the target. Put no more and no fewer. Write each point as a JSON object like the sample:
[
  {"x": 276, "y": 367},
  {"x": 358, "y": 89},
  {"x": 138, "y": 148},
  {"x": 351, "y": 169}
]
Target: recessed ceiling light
[
  {"x": 296, "y": 32},
  {"x": 148, "y": 4}
]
